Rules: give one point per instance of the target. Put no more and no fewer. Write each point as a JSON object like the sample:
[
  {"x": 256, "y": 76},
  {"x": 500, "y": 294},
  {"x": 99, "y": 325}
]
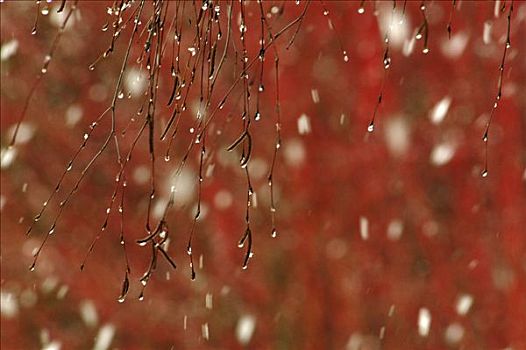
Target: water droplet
[
  {"x": 361, "y": 10},
  {"x": 325, "y": 12},
  {"x": 370, "y": 128},
  {"x": 274, "y": 233},
  {"x": 120, "y": 95},
  {"x": 192, "y": 50},
  {"x": 34, "y": 31},
  {"x": 345, "y": 56},
  {"x": 51, "y": 231},
  {"x": 261, "y": 88},
  {"x": 167, "y": 158},
  {"x": 484, "y": 173},
  {"x": 418, "y": 36},
  {"x": 257, "y": 116},
  {"x": 143, "y": 243},
  {"x": 44, "y": 70},
  {"x": 387, "y": 62},
  {"x": 32, "y": 267},
  {"x": 121, "y": 299},
  {"x": 45, "y": 11},
  {"x": 91, "y": 67},
  {"x": 86, "y": 136},
  {"x": 242, "y": 28},
  {"x": 425, "y": 50}
]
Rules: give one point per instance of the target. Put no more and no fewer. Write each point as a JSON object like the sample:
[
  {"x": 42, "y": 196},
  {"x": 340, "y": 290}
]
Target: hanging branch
[
  {"x": 423, "y": 30},
  {"x": 507, "y": 46},
  {"x": 386, "y": 61},
  {"x": 449, "y": 27},
  {"x": 44, "y": 69},
  {"x": 332, "y": 27},
  {"x": 86, "y": 136}
]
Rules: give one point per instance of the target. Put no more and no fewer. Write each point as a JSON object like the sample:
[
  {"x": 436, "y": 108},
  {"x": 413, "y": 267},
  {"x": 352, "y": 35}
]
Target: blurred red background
[{"x": 379, "y": 233}]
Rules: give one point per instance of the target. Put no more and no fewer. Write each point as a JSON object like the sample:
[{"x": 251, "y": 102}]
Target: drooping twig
[
  {"x": 44, "y": 69},
  {"x": 498, "y": 96},
  {"x": 101, "y": 149}
]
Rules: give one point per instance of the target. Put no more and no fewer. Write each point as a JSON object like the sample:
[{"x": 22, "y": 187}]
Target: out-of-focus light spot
[
  {"x": 336, "y": 248},
  {"x": 54, "y": 345},
  {"x": 439, "y": 111},
  {"x": 104, "y": 337},
  {"x": 205, "y": 331},
  {"x": 26, "y": 131},
  {"x": 7, "y": 156},
  {"x": 73, "y": 115},
  {"x": 395, "y": 230},
  {"x": 496, "y": 9},
  {"x": 3, "y": 200},
  {"x": 88, "y": 313},
  {"x": 57, "y": 18},
  {"x": 503, "y": 277},
  {"x": 184, "y": 185},
  {"x": 141, "y": 174},
  {"x": 430, "y": 228},
  {"x": 442, "y": 154},
  {"x": 397, "y": 136},
  {"x": 424, "y": 322},
  {"x": 315, "y": 95},
  {"x": 254, "y": 200},
  {"x": 409, "y": 46},
  {"x": 209, "y": 301},
  {"x": 395, "y": 24},
  {"x": 258, "y": 168},
  {"x": 364, "y": 228},
  {"x": 223, "y": 200},
  {"x": 8, "y": 49},
  {"x": 486, "y": 32},
  {"x": 245, "y": 329},
  {"x": 454, "y": 47},
  {"x": 464, "y": 303},
  {"x": 454, "y": 333},
  {"x": 62, "y": 291},
  {"x": 28, "y": 298},
  {"x": 304, "y": 125},
  {"x": 8, "y": 304},
  {"x": 359, "y": 341},
  {"x": 135, "y": 81},
  {"x": 294, "y": 152}
]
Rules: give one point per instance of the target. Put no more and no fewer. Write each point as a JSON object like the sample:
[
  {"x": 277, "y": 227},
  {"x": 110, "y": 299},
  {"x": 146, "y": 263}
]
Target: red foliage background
[{"x": 319, "y": 284}]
